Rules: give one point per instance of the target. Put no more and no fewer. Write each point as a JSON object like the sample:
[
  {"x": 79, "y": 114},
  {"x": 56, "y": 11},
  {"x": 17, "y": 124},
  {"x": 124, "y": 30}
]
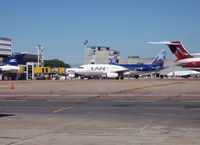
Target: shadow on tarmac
[{"x": 6, "y": 115}]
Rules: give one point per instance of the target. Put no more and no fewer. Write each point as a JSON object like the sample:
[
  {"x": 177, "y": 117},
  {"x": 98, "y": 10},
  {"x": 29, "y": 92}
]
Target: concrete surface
[{"x": 100, "y": 112}]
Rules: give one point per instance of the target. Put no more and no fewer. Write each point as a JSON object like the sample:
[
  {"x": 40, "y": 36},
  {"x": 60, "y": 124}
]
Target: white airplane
[
  {"x": 12, "y": 63},
  {"x": 105, "y": 70},
  {"x": 184, "y": 74}
]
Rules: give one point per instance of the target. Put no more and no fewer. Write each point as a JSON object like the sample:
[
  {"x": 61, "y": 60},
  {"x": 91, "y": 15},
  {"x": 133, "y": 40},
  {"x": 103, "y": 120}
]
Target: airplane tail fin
[
  {"x": 15, "y": 58},
  {"x": 177, "y": 49},
  {"x": 160, "y": 58},
  {"x": 114, "y": 60}
]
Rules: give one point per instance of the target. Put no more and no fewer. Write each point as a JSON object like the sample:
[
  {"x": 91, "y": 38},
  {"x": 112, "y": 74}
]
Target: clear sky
[{"x": 61, "y": 26}]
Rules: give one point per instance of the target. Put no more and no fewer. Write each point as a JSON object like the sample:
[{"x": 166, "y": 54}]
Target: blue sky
[{"x": 61, "y": 26}]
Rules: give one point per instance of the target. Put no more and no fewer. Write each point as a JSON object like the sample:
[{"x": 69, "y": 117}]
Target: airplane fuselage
[
  {"x": 182, "y": 73},
  {"x": 9, "y": 68},
  {"x": 105, "y": 70},
  {"x": 136, "y": 69},
  {"x": 99, "y": 69},
  {"x": 189, "y": 62}
]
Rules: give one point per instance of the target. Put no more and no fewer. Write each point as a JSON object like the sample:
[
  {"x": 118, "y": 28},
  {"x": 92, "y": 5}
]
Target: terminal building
[
  {"x": 99, "y": 54},
  {"x": 5, "y": 49}
]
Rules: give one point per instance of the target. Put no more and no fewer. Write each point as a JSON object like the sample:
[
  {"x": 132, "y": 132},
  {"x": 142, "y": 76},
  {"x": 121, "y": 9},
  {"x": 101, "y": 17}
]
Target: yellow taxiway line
[
  {"x": 62, "y": 109},
  {"x": 143, "y": 128},
  {"x": 144, "y": 87}
]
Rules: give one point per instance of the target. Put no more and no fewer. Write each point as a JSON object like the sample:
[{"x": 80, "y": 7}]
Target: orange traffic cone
[
  {"x": 12, "y": 87},
  {"x": 177, "y": 78}
]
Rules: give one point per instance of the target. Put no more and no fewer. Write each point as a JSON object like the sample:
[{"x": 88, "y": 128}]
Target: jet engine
[
  {"x": 112, "y": 75},
  {"x": 128, "y": 73},
  {"x": 71, "y": 75}
]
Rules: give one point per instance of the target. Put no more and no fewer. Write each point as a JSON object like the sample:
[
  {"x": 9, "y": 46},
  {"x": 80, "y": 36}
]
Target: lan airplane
[
  {"x": 12, "y": 63},
  {"x": 114, "y": 70},
  {"x": 107, "y": 70}
]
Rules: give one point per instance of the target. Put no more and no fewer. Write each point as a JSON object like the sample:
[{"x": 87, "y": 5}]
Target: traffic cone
[
  {"x": 177, "y": 78},
  {"x": 12, "y": 87}
]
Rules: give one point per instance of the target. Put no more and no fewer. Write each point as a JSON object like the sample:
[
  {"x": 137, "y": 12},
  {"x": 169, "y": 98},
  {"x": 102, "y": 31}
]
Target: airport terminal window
[
  {"x": 8, "y": 50},
  {"x": 5, "y": 44}
]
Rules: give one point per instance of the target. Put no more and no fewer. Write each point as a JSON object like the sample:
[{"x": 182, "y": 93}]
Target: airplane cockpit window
[{"x": 81, "y": 67}]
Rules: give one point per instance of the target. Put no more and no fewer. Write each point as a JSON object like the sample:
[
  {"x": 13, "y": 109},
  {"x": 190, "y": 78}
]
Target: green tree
[{"x": 55, "y": 63}]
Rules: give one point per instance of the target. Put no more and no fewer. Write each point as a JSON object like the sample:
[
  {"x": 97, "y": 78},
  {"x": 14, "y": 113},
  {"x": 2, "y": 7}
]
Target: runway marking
[
  {"x": 62, "y": 109},
  {"x": 14, "y": 100},
  {"x": 144, "y": 87},
  {"x": 143, "y": 128}
]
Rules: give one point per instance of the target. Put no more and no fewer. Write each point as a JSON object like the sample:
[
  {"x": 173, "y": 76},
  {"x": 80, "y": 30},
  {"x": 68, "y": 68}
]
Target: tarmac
[{"x": 100, "y": 112}]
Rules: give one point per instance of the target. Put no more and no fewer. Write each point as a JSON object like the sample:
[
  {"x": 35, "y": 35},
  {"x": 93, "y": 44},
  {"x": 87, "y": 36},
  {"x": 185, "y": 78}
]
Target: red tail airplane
[{"x": 183, "y": 57}]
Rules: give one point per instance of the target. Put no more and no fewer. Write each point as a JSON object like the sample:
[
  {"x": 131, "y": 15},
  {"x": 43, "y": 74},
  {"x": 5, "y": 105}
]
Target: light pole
[
  {"x": 38, "y": 48},
  {"x": 42, "y": 49},
  {"x": 85, "y": 43}
]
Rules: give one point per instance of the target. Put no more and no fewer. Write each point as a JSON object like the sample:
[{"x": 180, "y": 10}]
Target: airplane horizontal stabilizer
[{"x": 163, "y": 43}]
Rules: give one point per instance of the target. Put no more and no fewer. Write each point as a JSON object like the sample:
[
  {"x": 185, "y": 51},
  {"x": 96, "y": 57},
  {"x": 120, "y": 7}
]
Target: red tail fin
[{"x": 179, "y": 51}]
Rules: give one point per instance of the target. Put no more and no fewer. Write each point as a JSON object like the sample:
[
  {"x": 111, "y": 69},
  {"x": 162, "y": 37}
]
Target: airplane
[
  {"x": 96, "y": 70},
  {"x": 183, "y": 57},
  {"x": 184, "y": 74},
  {"x": 141, "y": 68},
  {"x": 12, "y": 63},
  {"x": 104, "y": 70},
  {"x": 113, "y": 70}
]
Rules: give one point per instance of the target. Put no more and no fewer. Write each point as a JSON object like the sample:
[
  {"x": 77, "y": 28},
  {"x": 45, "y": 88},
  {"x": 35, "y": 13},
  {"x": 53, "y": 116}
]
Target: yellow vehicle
[
  {"x": 41, "y": 70},
  {"x": 21, "y": 70},
  {"x": 48, "y": 70}
]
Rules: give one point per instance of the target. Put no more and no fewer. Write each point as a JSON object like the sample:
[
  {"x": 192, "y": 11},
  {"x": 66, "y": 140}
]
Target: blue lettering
[{"x": 98, "y": 68}]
